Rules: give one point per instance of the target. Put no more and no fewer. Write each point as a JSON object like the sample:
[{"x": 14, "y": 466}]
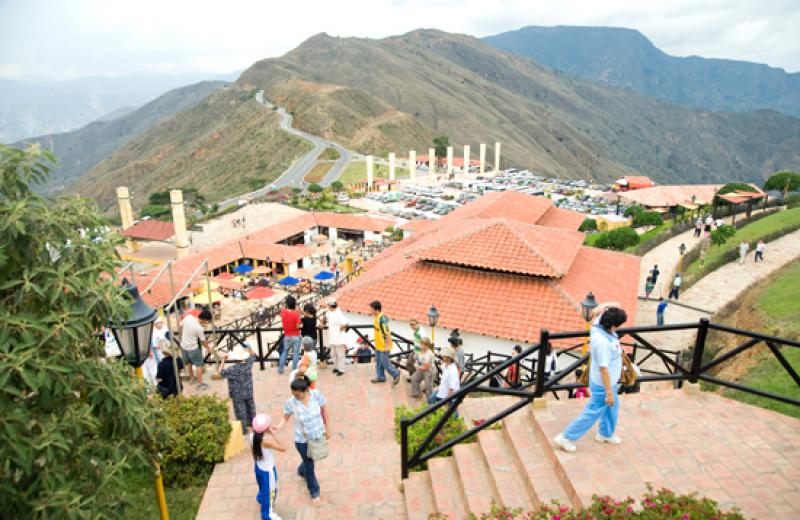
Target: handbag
[
  {"x": 627, "y": 377},
  {"x": 317, "y": 449}
]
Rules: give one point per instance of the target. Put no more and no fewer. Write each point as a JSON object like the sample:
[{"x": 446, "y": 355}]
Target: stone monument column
[
  {"x": 496, "y": 157},
  {"x": 412, "y": 164},
  {"x": 179, "y": 219},
  {"x": 431, "y": 162},
  {"x": 449, "y": 161},
  {"x": 482, "y": 158},
  {"x": 125, "y": 213},
  {"x": 391, "y": 166},
  {"x": 369, "y": 171},
  {"x": 465, "y": 168}
]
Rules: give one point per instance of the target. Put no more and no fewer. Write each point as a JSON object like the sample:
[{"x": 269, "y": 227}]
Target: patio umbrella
[
  {"x": 323, "y": 275},
  {"x": 205, "y": 298},
  {"x": 262, "y": 269},
  {"x": 243, "y": 268},
  {"x": 302, "y": 273},
  {"x": 201, "y": 284},
  {"x": 259, "y": 293},
  {"x": 289, "y": 280}
]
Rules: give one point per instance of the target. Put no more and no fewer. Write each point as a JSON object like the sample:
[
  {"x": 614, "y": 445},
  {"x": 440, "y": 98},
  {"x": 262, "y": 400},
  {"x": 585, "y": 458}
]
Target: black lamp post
[
  {"x": 587, "y": 306},
  {"x": 433, "y": 317},
  {"x": 133, "y": 335}
]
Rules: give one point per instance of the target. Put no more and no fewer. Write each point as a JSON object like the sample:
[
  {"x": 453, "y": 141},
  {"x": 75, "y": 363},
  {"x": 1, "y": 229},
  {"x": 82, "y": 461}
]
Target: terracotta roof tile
[
  {"x": 505, "y": 204},
  {"x": 151, "y": 230},
  {"x": 561, "y": 218}
]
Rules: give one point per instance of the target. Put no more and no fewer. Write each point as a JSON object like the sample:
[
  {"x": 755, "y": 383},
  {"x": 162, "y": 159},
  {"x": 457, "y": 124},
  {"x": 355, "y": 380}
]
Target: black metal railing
[{"x": 697, "y": 369}]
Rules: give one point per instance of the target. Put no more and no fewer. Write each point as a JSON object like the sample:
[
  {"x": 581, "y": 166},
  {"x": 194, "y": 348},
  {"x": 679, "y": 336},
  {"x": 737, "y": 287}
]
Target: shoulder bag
[
  {"x": 627, "y": 377},
  {"x": 317, "y": 449}
]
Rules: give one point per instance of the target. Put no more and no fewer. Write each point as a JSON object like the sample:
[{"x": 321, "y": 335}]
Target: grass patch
[
  {"x": 324, "y": 203},
  {"x": 356, "y": 171},
  {"x": 770, "y": 376},
  {"x": 318, "y": 172},
  {"x": 780, "y": 301},
  {"x": 182, "y": 503},
  {"x": 329, "y": 154},
  {"x": 591, "y": 239},
  {"x": 650, "y": 235}
]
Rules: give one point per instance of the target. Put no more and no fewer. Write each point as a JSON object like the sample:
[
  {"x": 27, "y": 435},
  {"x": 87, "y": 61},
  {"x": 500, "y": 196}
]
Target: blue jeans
[
  {"x": 382, "y": 363},
  {"x": 660, "y": 319},
  {"x": 595, "y": 409},
  {"x": 306, "y": 469},
  {"x": 289, "y": 342}
]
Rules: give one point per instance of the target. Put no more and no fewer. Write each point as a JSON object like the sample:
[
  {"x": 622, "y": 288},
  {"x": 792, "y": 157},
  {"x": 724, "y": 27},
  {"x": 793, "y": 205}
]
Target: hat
[
  {"x": 448, "y": 352},
  {"x": 261, "y": 423},
  {"x": 165, "y": 346},
  {"x": 238, "y": 353},
  {"x": 332, "y": 302}
]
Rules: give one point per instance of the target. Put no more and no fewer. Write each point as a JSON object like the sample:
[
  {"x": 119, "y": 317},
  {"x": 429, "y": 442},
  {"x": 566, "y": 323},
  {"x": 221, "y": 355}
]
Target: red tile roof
[
  {"x": 505, "y": 204},
  {"x": 150, "y": 230},
  {"x": 667, "y": 196},
  {"x": 561, "y": 218}
]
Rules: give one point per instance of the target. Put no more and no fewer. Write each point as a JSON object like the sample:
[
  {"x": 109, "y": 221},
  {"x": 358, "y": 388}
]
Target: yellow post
[
  {"x": 433, "y": 337},
  {"x": 158, "y": 482},
  {"x": 586, "y": 339}
]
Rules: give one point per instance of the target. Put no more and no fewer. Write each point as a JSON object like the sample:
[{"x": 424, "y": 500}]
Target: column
[
  {"x": 391, "y": 166},
  {"x": 496, "y": 157},
  {"x": 125, "y": 212},
  {"x": 482, "y": 158},
  {"x": 449, "y": 161},
  {"x": 465, "y": 169},
  {"x": 369, "y": 171},
  {"x": 431, "y": 162},
  {"x": 412, "y": 165},
  {"x": 179, "y": 220}
]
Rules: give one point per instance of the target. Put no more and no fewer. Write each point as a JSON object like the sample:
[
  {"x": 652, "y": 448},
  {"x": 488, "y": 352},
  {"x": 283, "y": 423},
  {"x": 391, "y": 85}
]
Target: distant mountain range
[
  {"x": 29, "y": 109},
  {"x": 80, "y": 150},
  {"x": 626, "y": 58}
]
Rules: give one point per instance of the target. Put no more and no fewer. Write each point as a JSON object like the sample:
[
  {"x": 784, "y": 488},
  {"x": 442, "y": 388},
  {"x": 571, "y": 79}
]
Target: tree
[
  {"x": 632, "y": 211},
  {"x": 588, "y": 224},
  {"x": 722, "y": 234},
  {"x": 337, "y": 186},
  {"x": 315, "y": 188},
  {"x": 159, "y": 198},
  {"x": 441, "y": 144},
  {"x": 618, "y": 239},
  {"x": 783, "y": 181},
  {"x": 647, "y": 218},
  {"x": 72, "y": 423}
]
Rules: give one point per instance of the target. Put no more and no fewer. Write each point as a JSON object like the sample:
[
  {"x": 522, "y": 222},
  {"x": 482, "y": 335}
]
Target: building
[
  {"x": 609, "y": 222},
  {"x": 632, "y": 182},
  {"x": 499, "y": 269}
]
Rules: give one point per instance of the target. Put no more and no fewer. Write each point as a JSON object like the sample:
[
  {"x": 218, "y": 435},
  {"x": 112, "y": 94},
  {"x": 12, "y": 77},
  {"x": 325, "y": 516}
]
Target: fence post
[
  {"x": 699, "y": 348},
  {"x": 404, "y": 447},
  {"x": 260, "y": 347},
  {"x": 541, "y": 359}
]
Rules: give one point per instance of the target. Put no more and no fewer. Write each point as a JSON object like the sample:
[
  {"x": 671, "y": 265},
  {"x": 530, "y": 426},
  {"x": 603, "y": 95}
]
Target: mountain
[
  {"x": 29, "y": 109},
  {"x": 80, "y": 150},
  {"x": 626, "y": 58},
  {"x": 220, "y": 146}
]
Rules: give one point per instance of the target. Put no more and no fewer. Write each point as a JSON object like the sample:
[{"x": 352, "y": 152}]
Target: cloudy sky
[{"x": 64, "y": 39}]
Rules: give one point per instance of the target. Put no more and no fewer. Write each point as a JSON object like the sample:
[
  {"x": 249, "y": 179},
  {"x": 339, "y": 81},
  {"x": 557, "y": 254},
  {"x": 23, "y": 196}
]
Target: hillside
[
  {"x": 462, "y": 87},
  {"x": 626, "y": 58},
  {"x": 80, "y": 150},
  {"x": 218, "y": 146}
]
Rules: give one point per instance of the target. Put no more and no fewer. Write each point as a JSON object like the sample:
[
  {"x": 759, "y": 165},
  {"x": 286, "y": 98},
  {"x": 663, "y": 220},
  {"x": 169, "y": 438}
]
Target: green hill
[{"x": 626, "y": 58}]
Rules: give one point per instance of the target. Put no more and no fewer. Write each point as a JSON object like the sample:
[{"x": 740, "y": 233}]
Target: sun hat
[
  {"x": 238, "y": 353},
  {"x": 261, "y": 423},
  {"x": 448, "y": 352},
  {"x": 332, "y": 302}
]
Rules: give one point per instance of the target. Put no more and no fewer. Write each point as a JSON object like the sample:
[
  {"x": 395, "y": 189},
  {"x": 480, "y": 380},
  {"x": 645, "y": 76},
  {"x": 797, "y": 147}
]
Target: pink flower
[
  {"x": 563, "y": 509},
  {"x": 556, "y": 517},
  {"x": 630, "y": 509},
  {"x": 685, "y": 516}
]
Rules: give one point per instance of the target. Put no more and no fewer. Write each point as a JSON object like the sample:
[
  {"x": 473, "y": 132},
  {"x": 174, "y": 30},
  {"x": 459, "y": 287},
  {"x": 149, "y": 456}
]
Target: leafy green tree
[
  {"x": 736, "y": 186},
  {"x": 156, "y": 211},
  {"x": 159, "y": 198},
  {"x": 440, "y": 144},
  {"x": 783, "y": 181},
  {"x": 618, "y": 239},
  {"x": 588, "y": 224},
  {"x": 722, "y": 234},
  {"x": 337, "y": 186},
  {"x": 73, "y": 424},
  {"x": 647, "y": 218},
  {"x": 632, "y": 211},
  {"x": 315, "y": 188}
]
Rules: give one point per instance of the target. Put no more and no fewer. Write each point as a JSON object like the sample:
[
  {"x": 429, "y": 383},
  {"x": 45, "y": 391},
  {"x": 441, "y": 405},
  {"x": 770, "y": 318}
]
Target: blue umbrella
[
  {"x": 243, "y": 268},
  {"x": 289, "y": 280},
  {"x": 323, "y": 275}
]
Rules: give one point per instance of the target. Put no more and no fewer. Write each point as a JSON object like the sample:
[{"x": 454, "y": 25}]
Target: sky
[{"x": 66, "y": 39}]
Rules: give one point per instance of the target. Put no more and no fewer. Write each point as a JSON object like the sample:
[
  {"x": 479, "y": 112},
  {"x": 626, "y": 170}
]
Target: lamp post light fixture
[
  {"x": 433, "y": 317},
  {"x": 133, "y": 337},
  {"x": 587, "y": 306}
]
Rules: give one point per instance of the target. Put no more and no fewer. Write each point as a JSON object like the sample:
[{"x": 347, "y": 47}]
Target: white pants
[
  {"x": 149, "y": 369},
  {"x": 339, "y": 353}
]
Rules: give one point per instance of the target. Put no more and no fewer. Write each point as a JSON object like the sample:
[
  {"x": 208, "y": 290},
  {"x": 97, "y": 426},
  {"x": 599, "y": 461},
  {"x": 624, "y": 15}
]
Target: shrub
[
  {"x": 647, "y": 218},
  {"x": 315, "y": 188},
  {"x": 783, "y": 181},
  {"x": 337, "y": 186},
  {"x": 618, "y": 239},
  {"x": 418, "y": 431},
  {"x": 792, "y": 201},
  {"x": 198, "y": 429},
  {"x": 722, "y": 234},
  {"x": 588, "y": 224},
  {"x": 632, "y": 211}
]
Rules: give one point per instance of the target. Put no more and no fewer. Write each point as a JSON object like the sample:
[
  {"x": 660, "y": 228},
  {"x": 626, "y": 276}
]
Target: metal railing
[{"x": 698, "y": 369}]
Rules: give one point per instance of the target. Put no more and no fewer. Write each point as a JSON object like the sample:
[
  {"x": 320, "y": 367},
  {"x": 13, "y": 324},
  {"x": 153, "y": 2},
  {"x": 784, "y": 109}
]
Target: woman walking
[
  {"x": 423, "y": 369},
  {"x": 605, "y": 368},
  {"x": 310, "y": 424},
  {"x": 263, "y": 442}
]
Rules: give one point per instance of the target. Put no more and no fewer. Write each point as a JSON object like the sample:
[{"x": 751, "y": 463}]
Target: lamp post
[
  {"x": 433, "y": 317},
  {"x": 133, "y": 337},
  {"x": 587, "y": 306}
]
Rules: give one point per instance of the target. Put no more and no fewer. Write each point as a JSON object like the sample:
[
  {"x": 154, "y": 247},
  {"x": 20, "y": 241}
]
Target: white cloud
[{"x": 63, "y": 39}]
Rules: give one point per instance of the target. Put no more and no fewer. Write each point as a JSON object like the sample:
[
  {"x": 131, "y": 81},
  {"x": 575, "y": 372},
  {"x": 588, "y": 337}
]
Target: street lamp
[
  {"x": 433, "y": 317},
  {"x": 587, "y": 306},
  {"x": 133, "y": 337}
]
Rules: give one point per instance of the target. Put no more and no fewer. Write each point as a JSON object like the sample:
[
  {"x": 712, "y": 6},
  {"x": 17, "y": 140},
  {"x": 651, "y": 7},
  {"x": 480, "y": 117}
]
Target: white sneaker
[
  {"x": 566, "y": 444},
  {"x": 611, "y": 440}
]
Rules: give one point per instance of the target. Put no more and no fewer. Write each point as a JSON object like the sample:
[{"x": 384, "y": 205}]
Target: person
[
  {"x": 760, "y": 251},
  {"x": 744, "y": 247},
  {"x": 160, "y": 332},
  {"x": 262, "y": 443},
  {"x": 676, "y": 287},
  {"x": 423, "y": 366},
  {"x": 550, "y": 364},
  {"x": 310, "y": 423},
  {"x": 581, "y": 392},
  {"x": 237, "y": 368},
  {"x": 363, "y": 352},
  {"x": 457, "y": 343},
  {"x": 337, "y": 335},
  {"x": 662, "y": 306},
  {"x": 648, "y": 288},
  {"x": 604, "y": 372},
  {"x": 290, "y": 322},
  {"x": 309, "y": 363},
  {"x": 166, "y": 378},
  {"x": 417, "y": 333},
  {"x": 698, "y": 227},
  {"x": 708, "y": 224},
  {"x": 192, "y": 338},
  {"x": 654, "y": 272},
  {"x": 308, "y": 323},
  {"x": 383, "y": 345},
  {"x": 450, "y": 382},
  {"x": 512, "y": 373}
]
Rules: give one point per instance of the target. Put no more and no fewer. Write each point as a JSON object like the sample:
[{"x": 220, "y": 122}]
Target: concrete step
[
  {"x": 476, "y": 479},
  {"x": 418, "y": 496},
  {"x": 543, "y": 477},
  {"x": 448, "y": 492},
  {"x": 507, "y": 473}
]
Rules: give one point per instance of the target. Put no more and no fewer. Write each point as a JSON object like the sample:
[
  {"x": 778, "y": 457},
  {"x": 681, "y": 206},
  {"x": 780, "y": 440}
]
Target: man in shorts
[{"x": 192, "y": 338}]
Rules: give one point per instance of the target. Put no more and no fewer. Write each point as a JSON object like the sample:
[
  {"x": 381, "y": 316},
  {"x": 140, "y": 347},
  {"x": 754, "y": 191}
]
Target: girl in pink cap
[{"x": 263, "y": 442}]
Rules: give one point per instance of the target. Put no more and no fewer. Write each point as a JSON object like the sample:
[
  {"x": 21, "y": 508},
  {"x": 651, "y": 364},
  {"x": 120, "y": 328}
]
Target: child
[
  {"x": 240, "y": 383},
  {"x": 662, "y": 306},
  {"x": 308, "y": 364},
  {"x": 263, "y": 442},
  {"x": 166, "y": 380},
  {"x": 582, "y": 392}
]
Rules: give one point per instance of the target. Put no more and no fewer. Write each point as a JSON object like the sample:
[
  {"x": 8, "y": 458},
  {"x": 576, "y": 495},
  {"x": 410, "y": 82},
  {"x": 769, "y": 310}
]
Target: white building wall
[
  {"x": 292, "y": 267},
  {"x": 372, "y": 236},
  {"x": 333, "y": 233}
]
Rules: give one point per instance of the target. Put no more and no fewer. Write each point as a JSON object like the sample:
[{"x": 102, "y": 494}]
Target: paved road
[{"x": 294, "y": 175}]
